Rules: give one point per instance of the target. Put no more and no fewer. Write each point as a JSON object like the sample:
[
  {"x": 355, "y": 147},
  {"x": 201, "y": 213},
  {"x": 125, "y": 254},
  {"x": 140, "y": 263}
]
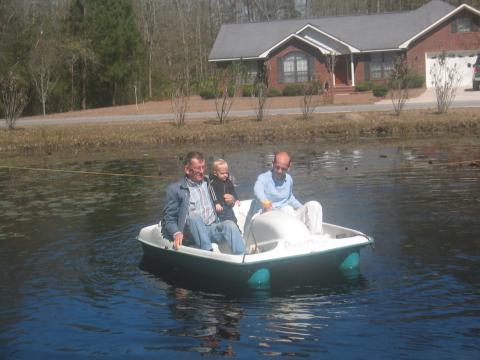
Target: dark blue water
[{"x": 72, "y": 283}]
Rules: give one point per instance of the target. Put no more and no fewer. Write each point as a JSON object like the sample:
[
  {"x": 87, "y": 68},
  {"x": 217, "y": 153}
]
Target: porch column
[{"x": 352, "y": 69}]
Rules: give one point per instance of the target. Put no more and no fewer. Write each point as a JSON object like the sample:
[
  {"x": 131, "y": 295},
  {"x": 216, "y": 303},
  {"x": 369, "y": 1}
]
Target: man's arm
[
  {"x": 259, "y": 189},
  {"x": 171, "y": 210},
  {"x": 230, "y": 196},
  {"x": 233, "y": 192}
]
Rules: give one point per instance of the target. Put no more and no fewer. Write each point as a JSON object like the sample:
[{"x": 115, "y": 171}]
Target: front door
[{"x": 341, "y": 70}]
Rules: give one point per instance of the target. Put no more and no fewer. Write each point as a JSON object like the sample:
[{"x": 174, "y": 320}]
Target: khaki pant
[{"x": 310, "y": 214}]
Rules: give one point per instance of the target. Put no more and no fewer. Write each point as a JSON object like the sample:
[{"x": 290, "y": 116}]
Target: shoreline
[{"x": 345, "y": 127}]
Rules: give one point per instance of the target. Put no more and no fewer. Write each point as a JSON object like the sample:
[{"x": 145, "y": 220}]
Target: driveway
[{"x": 464, "y": 95}]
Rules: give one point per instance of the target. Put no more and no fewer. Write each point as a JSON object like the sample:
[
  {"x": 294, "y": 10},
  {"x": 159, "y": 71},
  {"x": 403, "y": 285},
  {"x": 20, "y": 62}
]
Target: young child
[{"x": 222, "y": 185}]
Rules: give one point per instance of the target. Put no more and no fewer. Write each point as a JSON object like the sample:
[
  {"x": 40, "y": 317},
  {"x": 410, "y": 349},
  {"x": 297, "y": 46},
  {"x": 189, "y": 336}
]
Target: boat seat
[{"x": 266, "y": 229}]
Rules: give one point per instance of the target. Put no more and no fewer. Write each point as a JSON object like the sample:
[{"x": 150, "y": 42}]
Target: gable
[
  {"x": 358, "y": 32},
  {"x": 460, "y": 9}
]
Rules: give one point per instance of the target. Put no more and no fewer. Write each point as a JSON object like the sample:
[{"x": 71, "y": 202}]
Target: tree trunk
[
  {"x": 114, "y": 94},
  {"x": 72, "y": 85},
  {"x": 84, "y": 83}
]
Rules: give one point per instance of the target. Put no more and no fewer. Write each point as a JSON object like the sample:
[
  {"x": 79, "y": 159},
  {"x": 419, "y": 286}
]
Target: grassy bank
[{"x": 344, "y": 126}]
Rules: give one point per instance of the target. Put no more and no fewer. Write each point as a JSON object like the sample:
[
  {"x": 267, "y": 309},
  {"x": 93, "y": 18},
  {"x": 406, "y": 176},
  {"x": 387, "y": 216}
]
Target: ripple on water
[{"x": 72, "y": 284}]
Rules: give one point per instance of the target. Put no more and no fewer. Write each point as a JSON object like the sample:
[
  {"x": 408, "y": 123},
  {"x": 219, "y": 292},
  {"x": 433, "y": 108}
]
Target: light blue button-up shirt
[{"x": 280, "y": 193}]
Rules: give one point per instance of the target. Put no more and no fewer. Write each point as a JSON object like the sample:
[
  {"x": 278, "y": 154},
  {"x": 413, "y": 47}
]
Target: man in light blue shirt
[{"x": 274, "y": 191}]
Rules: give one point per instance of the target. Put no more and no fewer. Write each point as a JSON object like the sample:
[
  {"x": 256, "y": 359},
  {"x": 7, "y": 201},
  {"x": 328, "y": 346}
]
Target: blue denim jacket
[{"x": 175, "y": 213}]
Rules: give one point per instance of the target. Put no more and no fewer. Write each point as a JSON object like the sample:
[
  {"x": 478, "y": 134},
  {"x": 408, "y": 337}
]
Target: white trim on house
[
  {"x": 234, "y": 59},
  {"x": 381, "y": 50},
  {"x": 327, "y": 49},
  {"x": 427, "y": 29},
  {"x": 352, "y": 69},
  {"x": 350, "y": 47},
  {"x": 265, "y": 54}
]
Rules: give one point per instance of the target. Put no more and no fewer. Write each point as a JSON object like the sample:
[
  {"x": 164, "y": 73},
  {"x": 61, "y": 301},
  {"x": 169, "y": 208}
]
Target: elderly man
[
  {"x": 189, "y": 211},
  {"x": 274, "y": 191}
]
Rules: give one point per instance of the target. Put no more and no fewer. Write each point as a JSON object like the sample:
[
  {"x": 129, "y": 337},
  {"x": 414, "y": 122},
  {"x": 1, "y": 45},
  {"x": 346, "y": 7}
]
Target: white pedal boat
[{"x": 280, "y": 246}]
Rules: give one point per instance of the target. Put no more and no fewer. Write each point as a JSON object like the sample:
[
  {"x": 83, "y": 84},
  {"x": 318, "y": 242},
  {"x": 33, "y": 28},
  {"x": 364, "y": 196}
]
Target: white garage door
[{"x": 457, "y": 59}]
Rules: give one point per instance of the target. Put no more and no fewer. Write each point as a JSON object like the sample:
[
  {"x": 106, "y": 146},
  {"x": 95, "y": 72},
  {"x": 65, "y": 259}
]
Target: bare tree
[
  {"x": 398, "y": 84},
  {"x": 260, "y": 97},
  {"x": 181, "y": 9},
  {"x": 13, "y": 98},
  {"x": 445, "y": 80},
  {"x": 43, "y": 61},
  {"x": 310, "y": 99},
  {"x": 180, "y": 99},
  {"x": 78, "y": 52},
  {"x": 330, "y": 61},
  {"x": 147, "y": 10},
  {"x": 224, "y": 87}
]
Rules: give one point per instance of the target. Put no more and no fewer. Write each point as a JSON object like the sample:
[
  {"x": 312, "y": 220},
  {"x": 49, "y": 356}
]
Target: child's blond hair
[{"x": 217, "y": 163}]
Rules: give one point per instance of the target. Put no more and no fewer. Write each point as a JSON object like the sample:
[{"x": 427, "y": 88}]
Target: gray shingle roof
[{"x": 364, "y": 32}]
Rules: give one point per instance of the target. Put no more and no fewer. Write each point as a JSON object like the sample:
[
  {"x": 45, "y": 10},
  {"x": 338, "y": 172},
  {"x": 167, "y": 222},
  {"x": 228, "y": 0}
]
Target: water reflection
[
  {"x": 275, "y": 321},
  {"x": 71, "y": 286}
]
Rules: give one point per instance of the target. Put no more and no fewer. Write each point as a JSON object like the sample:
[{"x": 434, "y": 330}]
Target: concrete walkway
[
  {"x": 428, "y": 97},
  {"x": 427, "y": 100}
]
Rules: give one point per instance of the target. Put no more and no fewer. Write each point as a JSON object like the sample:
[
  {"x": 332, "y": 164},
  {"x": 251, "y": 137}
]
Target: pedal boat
[{"x": 278, "y": 245}]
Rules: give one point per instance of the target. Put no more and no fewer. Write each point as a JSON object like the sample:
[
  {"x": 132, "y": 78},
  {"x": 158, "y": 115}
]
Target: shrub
[
  {"x": 293, "y": 90},
  {"x": 314, "y": 87},
  {"x": 206, "y": 89},
  {"x": 247, "y": 90},
  {"x": 272, "y": 92},
  {"x": 207, "y": 94},
  {"x": 364, "y": 86},
  {"x": 380, "y": 90},
  {"x": 415, "y": 81}
]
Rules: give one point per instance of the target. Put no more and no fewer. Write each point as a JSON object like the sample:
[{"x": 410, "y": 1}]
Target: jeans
[{"x": 225, "y": 231}]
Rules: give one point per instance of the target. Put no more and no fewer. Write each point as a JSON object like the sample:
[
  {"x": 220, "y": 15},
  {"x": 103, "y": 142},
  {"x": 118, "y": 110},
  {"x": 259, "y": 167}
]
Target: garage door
[{"x": 460, "y": 59}]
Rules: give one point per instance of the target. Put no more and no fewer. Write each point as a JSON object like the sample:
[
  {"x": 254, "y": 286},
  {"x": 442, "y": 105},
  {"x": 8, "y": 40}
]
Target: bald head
[{"x": 281, "y": 164}]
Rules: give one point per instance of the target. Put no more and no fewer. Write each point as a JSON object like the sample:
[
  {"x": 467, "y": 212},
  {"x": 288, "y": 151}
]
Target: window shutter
[
  {"x": 454, "y": 26},
  {"x": 475, "y": 23},
  {"x": 311, "y": 67},
  {"x": 280, "y": 79},
  {"x": 367, "y": 69}
]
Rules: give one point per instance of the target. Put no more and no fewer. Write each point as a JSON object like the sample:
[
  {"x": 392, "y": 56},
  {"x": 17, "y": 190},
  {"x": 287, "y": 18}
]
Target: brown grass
[{"x": 345, "y": 127}]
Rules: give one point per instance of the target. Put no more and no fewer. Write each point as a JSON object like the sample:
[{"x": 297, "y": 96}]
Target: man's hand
[
  {"x": 218, "y": 208},
  {"x": 177, "y": 240},
  {"x": 266, "y": 205},
  {"x": 229, "y": 199}
]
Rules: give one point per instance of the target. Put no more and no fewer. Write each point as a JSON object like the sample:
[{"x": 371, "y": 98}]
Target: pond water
[{"x": 72, "y": 284}]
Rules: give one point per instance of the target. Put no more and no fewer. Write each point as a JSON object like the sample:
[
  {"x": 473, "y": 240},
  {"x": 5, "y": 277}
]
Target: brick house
[{"x": 365, "y": 46}]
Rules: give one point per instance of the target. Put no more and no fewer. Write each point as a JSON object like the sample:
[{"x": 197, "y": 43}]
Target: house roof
[{"x": 360, "y": 33}]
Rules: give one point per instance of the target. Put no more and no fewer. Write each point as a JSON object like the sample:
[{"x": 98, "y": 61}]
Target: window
[
  {"x": 294, "y": 68},
  {"x": 380, "y": 64},
  {"x": 251, "y": 68},
  {"x": 464, "y": 24}
]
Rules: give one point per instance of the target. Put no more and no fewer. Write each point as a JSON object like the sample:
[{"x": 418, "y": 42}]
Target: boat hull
[{"x": 294, "y": 269}]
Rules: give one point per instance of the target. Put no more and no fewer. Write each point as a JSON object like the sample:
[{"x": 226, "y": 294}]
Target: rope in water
[
  {"x": 456, "y": 163},
  {"x": 80, "y": 172}
]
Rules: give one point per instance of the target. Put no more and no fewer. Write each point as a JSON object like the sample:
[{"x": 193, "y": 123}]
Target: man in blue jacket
[{"x": 189, "y": 211}]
